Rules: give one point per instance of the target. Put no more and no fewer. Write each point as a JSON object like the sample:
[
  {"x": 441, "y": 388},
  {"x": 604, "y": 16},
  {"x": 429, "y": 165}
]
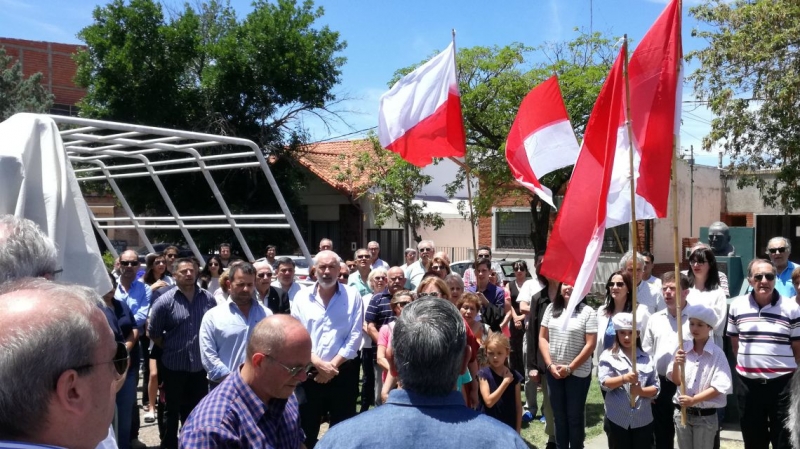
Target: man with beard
[
  {"x": 225, "y": 330},
  {"x": 333, "y": 315}
]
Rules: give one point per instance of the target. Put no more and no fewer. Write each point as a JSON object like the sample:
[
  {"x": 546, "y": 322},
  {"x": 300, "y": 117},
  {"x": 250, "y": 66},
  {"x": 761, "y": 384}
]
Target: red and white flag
[
  {"x": 420, "y": 116},
  {"x": 541, "y": 140},
  {"x": 598, "y": 184}
]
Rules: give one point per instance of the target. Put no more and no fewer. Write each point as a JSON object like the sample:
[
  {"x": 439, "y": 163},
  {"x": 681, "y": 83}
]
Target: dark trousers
[
  {"x": 663, "y": 410},
  {"x": 763, "y": 408},
  {"x": 337, "y": 397},
  {"x": 568, "y": 400},
  {"x": 515, "y": 359},
  {"x": 368, "y": 362},
  {"x": 619, "y": 438},
  {"x": 144, "y": 347},
  {"x": 183, "y": 390}
]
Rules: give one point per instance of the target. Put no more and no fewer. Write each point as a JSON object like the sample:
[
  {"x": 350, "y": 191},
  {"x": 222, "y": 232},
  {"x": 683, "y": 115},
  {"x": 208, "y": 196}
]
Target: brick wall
[
  {"x": 514, "y": 199},
  {"x": 53, "y": 61}
]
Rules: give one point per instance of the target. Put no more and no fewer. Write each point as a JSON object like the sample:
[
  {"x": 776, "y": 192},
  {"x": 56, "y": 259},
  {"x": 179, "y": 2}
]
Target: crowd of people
[{"x": 241, "y": 354}]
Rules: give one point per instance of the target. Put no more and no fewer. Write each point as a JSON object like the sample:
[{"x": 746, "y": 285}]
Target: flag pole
[
  {"x": 634, "y": 230},
  {"x": 675, "y": 239},
  {"x": 466, "y": 170}
]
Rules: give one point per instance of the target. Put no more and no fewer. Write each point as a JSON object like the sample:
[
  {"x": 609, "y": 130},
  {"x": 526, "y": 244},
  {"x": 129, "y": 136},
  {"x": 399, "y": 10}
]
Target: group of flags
[{"x": 420, "y": 119}]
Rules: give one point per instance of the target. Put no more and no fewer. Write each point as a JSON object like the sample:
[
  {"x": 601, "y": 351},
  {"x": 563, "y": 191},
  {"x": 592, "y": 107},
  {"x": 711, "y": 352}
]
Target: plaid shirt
[{"x": 233, "y": 416}]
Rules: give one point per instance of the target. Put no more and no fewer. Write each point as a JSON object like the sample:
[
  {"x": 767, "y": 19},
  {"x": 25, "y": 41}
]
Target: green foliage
[
  {"x": 493, "y": 81},
  {"x": 749, "y": 76},
  {"x": 108, "y": 260},
  {"x": 202, "y": 69},
  {"x": 394, "y": 183},
  {"x": 20, "y": 94}
]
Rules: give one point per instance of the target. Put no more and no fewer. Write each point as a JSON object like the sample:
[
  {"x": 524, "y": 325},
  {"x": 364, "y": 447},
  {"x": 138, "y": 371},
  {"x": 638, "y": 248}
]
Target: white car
[{"x": 300, "y": 268}]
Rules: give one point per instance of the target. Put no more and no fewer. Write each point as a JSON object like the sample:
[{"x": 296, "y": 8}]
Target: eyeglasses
[
  {"x": 483, "y": 256},
  {"x": 425, "y": 250},
  {"x": 160, "y": 262},
  {"x": 402, "y": 304},
  {"x": 429, "y": 295},
  {"x": 362, "y": 256},
  {"x": 616, "y": 284},
  {"x": 379, "y": 278},
  {"x": 761, "y": 276},
  {"x": 264, "y": 275},
  {"x": 780, "y": 250},
  {"x": 344, "y": 275},
  {"x": 520, "y": 269},
  {"x": 437, "y": 267},
  {"x": 697, "y": 262},
  {"x": 120, "y": 360},
  {"x": 294, "y": 370},
  {"x": 129, "y": 263},
  {"x": 213, "y": 264}
]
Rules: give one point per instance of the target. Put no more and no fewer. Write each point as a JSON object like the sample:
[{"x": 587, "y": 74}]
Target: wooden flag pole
[{"x": 634, "y": 230}]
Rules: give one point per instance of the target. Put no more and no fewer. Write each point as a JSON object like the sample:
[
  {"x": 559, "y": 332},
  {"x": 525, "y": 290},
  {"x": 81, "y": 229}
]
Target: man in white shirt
[
  {"x": 660, "y": 340},
  {"x": 648, "y": 270},
  {"x": 285, "y": 281},
  {"x": 417, "y": 270},
  {"x": 374, "y": 249},
  {"x": 333, "y": 314},
  {"x": 646, "y": 294}
]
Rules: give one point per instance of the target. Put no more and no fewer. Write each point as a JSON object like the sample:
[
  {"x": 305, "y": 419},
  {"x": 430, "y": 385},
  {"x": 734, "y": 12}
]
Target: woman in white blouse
[{"x": 705, "y": 289}]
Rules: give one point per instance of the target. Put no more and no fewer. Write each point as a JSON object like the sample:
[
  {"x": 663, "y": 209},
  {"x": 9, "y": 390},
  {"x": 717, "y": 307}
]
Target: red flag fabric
[
  {"x": 541, "y": 140},
  {"x": 420, "y": 116},
  {"x": 598, "y": 194}
]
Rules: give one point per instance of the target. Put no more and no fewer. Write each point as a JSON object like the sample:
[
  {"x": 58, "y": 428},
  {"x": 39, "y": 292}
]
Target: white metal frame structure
[{"x": 106, "y": 144}]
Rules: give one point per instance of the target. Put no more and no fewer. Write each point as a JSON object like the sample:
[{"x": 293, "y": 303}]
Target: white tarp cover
[{"x": 37, "y": 182}]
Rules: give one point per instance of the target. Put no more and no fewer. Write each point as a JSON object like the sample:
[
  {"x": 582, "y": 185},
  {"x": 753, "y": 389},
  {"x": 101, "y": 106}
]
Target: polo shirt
[
  {"x": 232, "y": 415},
  {"x": 414, "y": 274},
  {"x": 224, "y": 333},
  {"x": 355, "y": 280},
  {"x": 783, "y": 282},
  {"x": 422, "y": 421},
  {"x": 379, "y": 311},
  {"x": 178, "y": 321},
  {"x": 335, "y": 329},
  {"x": 765, "y": 335}
]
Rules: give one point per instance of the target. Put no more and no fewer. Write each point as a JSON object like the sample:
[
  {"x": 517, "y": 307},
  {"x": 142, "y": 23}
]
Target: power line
[{"x": 343, "y": 135}]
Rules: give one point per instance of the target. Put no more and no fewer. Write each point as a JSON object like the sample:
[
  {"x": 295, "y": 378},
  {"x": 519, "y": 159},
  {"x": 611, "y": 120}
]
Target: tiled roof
[{"x": 331, "y": 160}]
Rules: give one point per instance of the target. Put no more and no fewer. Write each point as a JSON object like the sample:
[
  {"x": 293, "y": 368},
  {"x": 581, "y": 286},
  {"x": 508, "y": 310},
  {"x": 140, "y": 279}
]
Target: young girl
[
  {"x": 708, "y": 380},
  {"x": 399, "y": 300},
  {"x": 627, "y": 427},
  {"x": 499, "y": 385}
]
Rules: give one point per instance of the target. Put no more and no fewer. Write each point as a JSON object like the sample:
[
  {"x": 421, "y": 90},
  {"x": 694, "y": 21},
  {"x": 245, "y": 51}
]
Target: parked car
[
  {"x": 508, "y": 269},
  {"x": 300, "y": 268},
  {"x": 461, "y": 266},
  {"x": 183, "y": 251}
]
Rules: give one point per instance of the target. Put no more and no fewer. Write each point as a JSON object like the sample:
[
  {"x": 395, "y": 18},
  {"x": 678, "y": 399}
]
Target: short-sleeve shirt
[
  {"x": 566, "y": 345},
  {"x": 505, "y": 409},
  {"x": 617, "y": 401},
  {"x": 706, "y": 370}
]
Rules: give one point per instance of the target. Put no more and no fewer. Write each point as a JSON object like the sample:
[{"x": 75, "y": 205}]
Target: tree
[
  {"x": 20, "y": 94},
  {"x": 394, "y": 183},
  {"x": 493, "y": 81},
  {"x": 202, "y": 69},
  {"x": 749, "y": 77}
]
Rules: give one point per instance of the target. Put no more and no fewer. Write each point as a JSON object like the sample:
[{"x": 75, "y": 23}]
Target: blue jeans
[
  {"x": 126, "y": 397},
  {"x": 568, "y": 400}
]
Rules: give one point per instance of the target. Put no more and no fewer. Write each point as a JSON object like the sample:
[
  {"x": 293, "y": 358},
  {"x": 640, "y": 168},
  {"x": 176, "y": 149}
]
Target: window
[
  {"x": 616, "y": 239},
  {"x": 513, "y": 230}
]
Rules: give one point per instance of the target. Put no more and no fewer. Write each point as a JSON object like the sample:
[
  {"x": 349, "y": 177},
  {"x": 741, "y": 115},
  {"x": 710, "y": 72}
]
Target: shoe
[
  {"x": 136, "y": 444},
  {"x": 542, "y": 420},
  {"x": 527, "y": 417},
  {"x": 149, "y": 417},
  {"x": 550, "y": 445}
]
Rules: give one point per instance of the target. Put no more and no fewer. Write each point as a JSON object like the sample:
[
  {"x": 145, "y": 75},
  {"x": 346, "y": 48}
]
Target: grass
[{"x": 533, "y": 432}]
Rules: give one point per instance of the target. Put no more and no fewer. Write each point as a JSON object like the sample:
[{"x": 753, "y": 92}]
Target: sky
[{"x": 383, "y": 36}]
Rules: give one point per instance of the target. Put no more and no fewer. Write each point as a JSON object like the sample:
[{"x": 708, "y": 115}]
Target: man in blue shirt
[
  {"x": 225, "y": 329},
  {"x": 256, "y": 406},
  {"x": 779, "y": 249},
  {"x": 427, "y": 411}
]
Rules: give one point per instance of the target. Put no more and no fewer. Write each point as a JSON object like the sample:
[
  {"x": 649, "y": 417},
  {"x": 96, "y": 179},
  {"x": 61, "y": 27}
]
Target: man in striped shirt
[{"x": 764, "y": 328}]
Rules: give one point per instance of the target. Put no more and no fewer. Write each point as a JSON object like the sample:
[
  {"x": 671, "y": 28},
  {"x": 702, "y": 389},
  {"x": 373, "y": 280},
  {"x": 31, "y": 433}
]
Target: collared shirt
[
  {"x": 233, "y": 416},
  {"x": 654, "y": 281},
  {"x": 275, "y": 300},
  {"x": 379, "y": 264},
  {"x": 618, "y": 401},
  {"x": 765, "y": 335},
  {"x": 493, "y": 293},
  {"x": 716, "y": 301},
  {"x": 137, "y": 299},
  {"x": 783, "y": 282},
  {"x": 178, "y": 321},
  {"x": 355, "y": 280},
  {"x": 414, "y": 274},
  {"x": 292, "y": 291},
  {"x": 708, "y": 369},
  {"x": 441, "y": 422},
  {"x": 379, "y": 311},
  {"x": 470, "y": 278},
  {"x": 224, "y": 333},
  {"x": 642, "y": 316},
  {"x": 650, "y": 296},
  {"x": 335, "y": 329},
  {"x": 661, "y": 338}
]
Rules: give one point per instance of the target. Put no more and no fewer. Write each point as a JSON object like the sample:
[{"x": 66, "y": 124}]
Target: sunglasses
[
  {"x": 213, "y": 264},
  {"x": 402, "y": 304},
  {"x": 697, "y": 262},
  {"x": 294, "y": 370},
  {"x": 780, "y": 250},
  {"x": 616, "y": 284},
  {"x": 362, "y": 256},
  {"x": 425, "y": 250},
  {"x": 120, "y": 360},
  {"x": 437, "y": 267},
  {"x": 344, "y": 275},
  {"x": 483, "y": 256},
  {"x": 759, "y": 277},
  {"x": 264, "y": 275},
  {"x": 160, "y": 262},
  {"x": 129, "y": 263},
  {"x": 379, "y": 278},
  {"x": 520, "y": 269}
]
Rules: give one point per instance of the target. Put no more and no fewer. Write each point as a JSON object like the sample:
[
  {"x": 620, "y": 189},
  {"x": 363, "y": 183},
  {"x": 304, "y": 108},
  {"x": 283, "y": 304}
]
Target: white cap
[
  {"x": 624, "y": 322},
  {"x": 702, "y": 313}
]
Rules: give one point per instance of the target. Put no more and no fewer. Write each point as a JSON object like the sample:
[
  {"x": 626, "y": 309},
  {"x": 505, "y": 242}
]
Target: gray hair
[
  {"x": 429, "y": 242},
  {"x": 429, "y": 341},
  {"x": 242, "y": 267},
  {"x": 409, "y": 251},
  {"x": 758, "y": 261},
  {"x": 34, "y": 354},
  {"x": 786, "y": 242},
  {"x": 373, "y": 273},
  {"x": 263, "y": 264},
  {"x": 454, "y": 276},
  {"x": 623, "y": 263},
  {"x": 25, "y": 251}
]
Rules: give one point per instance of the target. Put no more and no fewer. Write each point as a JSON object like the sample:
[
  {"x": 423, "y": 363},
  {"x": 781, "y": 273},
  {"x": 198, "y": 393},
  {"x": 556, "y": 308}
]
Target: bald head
[{"x": 275, "y": 333}]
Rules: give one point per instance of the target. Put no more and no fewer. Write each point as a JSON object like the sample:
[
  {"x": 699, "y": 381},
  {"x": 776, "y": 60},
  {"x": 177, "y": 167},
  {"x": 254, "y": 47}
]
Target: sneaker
[
  {"x": 149, "y": 417},
  {"x": 527, "y": 417},
  {"x": 542, "y": 420}
]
